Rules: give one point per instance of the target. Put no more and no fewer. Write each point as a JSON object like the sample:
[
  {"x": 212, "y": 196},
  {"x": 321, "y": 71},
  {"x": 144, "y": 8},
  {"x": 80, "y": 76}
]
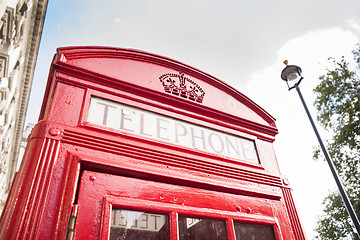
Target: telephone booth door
[{"x": 111, "y": 209}]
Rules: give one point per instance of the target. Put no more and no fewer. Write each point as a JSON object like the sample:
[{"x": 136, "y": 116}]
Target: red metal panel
[
  {"x": 42, "y": 193},
  {"x": 294, "y": 218},
  {"x": 31, "y": 185},
  {"x": 157, "y": 160},
  {"x": 138, "y": 172},
  {"x": 137, "y": 74},
  {"x": 66, "y": 104},
  {"x": 144, "y": 69},
  {"x": 99, "y": 191}
]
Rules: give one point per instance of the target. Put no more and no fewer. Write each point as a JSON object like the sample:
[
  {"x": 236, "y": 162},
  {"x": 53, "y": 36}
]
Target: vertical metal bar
[
  {"x": 174, "y": 226},
  {"x": 230, "y": 229},
  {"x": 343, "y": 194}
]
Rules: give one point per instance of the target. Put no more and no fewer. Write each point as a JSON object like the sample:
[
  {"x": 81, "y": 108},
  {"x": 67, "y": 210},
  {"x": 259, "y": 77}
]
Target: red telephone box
[{"x": 131, "y": 145}]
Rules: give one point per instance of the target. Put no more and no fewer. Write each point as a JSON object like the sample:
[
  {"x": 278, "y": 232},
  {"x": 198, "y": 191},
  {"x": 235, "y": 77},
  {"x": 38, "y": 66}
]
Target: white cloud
[
  {"x": 118, "y": 20},
  {"x": 312, "y": 50},
  {"x": 353, "y": 25}
]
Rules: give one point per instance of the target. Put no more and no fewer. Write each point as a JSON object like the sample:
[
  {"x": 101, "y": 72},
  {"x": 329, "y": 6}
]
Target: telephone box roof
[{"x": 167, "y": 79}]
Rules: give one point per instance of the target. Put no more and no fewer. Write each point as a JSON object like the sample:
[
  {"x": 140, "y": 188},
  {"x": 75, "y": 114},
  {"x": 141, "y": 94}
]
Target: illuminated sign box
[{"x": 156, "y": 126}]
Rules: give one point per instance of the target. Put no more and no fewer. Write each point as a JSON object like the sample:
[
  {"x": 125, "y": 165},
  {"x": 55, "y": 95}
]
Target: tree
[{"x": 338, "y": 111}]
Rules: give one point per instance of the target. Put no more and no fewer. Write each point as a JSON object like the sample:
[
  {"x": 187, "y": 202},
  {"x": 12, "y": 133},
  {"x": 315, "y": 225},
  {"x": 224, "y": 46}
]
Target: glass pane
[
  {"x": 134, "y": 225},
  {"x": 201, "y": 229},
  {"x": 253, "y": 232}
]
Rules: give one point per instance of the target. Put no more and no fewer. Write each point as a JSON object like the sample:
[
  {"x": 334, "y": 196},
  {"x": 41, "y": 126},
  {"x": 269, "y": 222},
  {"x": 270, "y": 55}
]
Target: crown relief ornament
[{"x": 178, "y": 84}]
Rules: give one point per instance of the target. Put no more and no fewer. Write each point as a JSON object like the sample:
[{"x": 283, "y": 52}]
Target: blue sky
[{"x": 240, "y": 42}]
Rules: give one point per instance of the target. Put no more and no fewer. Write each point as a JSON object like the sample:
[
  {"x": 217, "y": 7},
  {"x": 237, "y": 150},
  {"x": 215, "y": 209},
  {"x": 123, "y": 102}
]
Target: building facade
[{"x": 21, "y": 24}]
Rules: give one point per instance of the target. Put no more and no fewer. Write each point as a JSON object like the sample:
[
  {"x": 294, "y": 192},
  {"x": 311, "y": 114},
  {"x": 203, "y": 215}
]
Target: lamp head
[{"x": 291, "y": 73}]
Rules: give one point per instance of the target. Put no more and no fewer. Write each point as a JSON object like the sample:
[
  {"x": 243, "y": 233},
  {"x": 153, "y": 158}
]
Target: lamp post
[{"x": 292, "y": 74}]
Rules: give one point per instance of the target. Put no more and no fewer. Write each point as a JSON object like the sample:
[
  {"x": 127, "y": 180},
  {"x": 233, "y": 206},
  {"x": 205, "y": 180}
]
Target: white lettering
[
  {"x": 135, "y": 220},
  {"x": 201, "y": 137},
  {"x": 157, "y": 221},
  {"x": 232, "y": 146},
  {"x": 249, "y": 153},
  {"x": 162, "y": 128},
  {"x": 216, "y": 143},
  {"x": 106, "y": 111},
  {"x": 178, "y": 133},
  {"x": 142, "y": 126},
  {"x": 127, "y": 120},
  {"x": 145, "y": 221}
]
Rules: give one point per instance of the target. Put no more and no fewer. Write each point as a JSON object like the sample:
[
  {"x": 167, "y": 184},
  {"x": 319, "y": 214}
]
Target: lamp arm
[{"x": 295, "y": 85}]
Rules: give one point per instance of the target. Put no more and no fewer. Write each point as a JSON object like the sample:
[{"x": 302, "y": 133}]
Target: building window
[
  {"x": 6, "y": 25},
  {"x": 4, "y": 62}
]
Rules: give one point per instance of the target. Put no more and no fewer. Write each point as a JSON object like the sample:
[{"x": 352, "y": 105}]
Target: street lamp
[{"x": 292, "y": 75}]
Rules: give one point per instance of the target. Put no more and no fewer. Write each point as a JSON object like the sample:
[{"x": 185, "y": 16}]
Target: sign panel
[
  {"x": 156, "y": 126},
  {"x": 137, "y": 220}
]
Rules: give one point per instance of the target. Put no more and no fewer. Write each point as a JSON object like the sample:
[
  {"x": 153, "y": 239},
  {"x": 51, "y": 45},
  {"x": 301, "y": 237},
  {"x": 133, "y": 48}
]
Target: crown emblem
[{"x": 178, "y": 84}]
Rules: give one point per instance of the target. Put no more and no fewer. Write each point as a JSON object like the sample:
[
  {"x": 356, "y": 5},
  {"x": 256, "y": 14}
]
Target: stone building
[{"x": 21, "y": 24}]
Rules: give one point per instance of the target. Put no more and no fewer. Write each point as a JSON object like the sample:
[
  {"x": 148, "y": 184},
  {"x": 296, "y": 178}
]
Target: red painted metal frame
[
  {"x": 100, "y": 192},
  {"x": 63, "y": 147},
  {"x": 165, "y": 112}
]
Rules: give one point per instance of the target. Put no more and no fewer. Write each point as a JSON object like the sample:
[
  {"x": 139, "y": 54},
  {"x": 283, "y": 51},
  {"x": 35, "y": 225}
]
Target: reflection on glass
[
  {"x": 201, "y": 229},
  {"x": 134, "y": 225},
  {"x": 253, "y": 232}
]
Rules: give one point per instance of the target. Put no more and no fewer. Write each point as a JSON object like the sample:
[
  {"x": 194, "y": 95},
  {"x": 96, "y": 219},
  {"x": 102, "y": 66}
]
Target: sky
[{"x": 240, "y": 42}]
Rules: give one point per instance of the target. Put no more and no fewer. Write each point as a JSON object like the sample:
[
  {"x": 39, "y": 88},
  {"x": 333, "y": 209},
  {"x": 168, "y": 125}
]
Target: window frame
[{"x": 176, "y": 210}]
